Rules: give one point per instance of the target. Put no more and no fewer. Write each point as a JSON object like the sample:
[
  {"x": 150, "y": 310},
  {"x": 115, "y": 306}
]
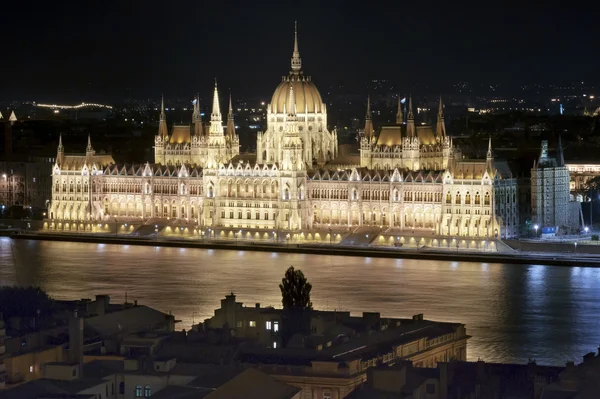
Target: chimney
[
  {"x": 76, "y": 341},
  {"x": 257, "y": 305}
]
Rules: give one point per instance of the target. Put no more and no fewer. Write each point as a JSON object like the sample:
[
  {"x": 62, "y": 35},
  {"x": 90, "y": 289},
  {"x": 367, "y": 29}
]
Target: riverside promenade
[{"x": 536, "y": 253}]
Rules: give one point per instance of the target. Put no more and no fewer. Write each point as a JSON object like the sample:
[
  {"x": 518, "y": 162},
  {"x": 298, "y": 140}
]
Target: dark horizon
[{"x": 112, "y": 50}]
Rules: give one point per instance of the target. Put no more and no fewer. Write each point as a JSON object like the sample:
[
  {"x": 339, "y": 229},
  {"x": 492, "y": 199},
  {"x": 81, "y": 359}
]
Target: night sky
[{"x": 110, "y": 50}]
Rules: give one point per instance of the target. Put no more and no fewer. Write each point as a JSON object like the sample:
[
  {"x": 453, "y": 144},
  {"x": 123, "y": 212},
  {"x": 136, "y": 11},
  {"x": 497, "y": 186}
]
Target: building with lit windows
[{"x": 407, "y": 178}]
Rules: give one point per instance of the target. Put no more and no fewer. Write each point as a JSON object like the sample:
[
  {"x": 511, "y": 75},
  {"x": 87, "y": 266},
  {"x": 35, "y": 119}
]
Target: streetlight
[
  {"x": 586, "y": 229},
  {"x": 575, "y": 247},
  {"x": 536, "y": 227}
]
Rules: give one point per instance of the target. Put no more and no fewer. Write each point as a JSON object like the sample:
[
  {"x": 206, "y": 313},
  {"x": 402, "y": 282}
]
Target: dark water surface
[{"x": 513, "y": 312}]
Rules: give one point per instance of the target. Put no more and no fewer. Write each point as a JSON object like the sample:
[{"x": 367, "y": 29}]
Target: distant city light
[{"x": 82, "y": 105}]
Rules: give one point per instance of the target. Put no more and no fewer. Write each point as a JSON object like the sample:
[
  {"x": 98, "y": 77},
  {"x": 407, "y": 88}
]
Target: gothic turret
[
  {"x": 410, "y": 128},
  {"x": 60, "y": 151},
  {"x": 230, "y": 121},
  {"x": 399, "y": 116},
  {"x": 369, "y": 132},
  {"x": 162, "y": 124},
  {"x": 292, "y": 145},
  {"x": 89, "y": 151},
  {"x": 197, "y": 118},
  {"x": 216, "y": 122},
  {"x": 440, "y": 130}
]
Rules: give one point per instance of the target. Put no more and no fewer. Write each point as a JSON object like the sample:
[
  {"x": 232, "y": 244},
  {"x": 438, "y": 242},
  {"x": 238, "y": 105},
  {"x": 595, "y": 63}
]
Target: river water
[{"x": 513, "y": 312}]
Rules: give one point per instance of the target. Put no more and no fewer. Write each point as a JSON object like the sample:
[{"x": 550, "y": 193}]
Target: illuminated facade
[{"x": 406, "y": 178}]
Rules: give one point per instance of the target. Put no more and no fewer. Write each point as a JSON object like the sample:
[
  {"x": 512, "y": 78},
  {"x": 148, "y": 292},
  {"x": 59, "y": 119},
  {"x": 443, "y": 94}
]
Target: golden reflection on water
[{"x": 513, "y": 312}]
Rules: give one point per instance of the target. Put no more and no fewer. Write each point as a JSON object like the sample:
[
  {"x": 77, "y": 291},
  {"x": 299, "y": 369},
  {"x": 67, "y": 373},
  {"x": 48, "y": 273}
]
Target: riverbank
[{"x": 545, "y": 258}]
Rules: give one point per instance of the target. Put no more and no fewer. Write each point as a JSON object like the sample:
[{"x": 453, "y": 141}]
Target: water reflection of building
[{"x": 407, "y": 177}]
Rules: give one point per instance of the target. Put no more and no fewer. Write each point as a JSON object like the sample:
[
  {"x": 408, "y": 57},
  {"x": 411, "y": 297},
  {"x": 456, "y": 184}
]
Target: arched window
[
  {"x": 468, "y": 198},
  {"x": 395, "y": 195},
  {"x": 138, "y": 391},
  {"x": 448, "y": 198},
  {"x": 248, "y": 215},
  {"x": 210, "y": 191},
  {"x": 223, "y": 214},
  {"x": 147, "y": 391},
  {"x": 486, "y": 199},
  {"x": 122, "y": 387},
  {"x": 477, "y": 198},
  {"x": 457, "y": 201},
  {"x": 286, "y": 195}
]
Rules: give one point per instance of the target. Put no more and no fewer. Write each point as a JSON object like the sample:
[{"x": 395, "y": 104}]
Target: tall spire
[
  {"x": 197, "y": 117},
  {"x": 560, "y": 157},
  {"x": 399, "y": 118},
  {"x": 89, "y": 144},
  {"x": 216, "y": 123},
  {"x": 230, "y": 121},
  {"x": 368, "y": 122},
  {"x": 216, "y": 109},
  {"x": 489, "y": 154},
  {"x": 410, "y": 127},
  {"x": 60, "y": 151},
  {"x": 441, "y": 126},
  {"x": 296, "y": 61},
  {"x": 162, "y": 123}
]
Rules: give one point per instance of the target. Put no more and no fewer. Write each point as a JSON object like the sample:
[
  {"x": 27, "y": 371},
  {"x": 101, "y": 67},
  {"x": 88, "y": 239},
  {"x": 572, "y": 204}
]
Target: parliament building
[{"x": 408, "y": 178}]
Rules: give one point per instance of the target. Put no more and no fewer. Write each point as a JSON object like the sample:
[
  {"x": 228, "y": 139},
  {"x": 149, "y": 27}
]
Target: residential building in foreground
[{"x": 408, "y": 177}]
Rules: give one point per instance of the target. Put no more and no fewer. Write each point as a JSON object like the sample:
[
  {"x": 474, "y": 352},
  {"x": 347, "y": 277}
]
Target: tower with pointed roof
[
  {"x": 216, "y": 144},
  {"x": 232, "y": 139},
  {"x": 320, "y": 144},
  {"x": 60, "y": 151},
  {"x": 399, "y": 115},
  {"x": 89, "y": 152}
]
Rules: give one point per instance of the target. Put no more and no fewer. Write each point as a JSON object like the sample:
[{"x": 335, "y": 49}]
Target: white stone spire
[
  {"x": 163, "y": 116},
  {"x": 216, "y": 123},
  {"x": 216, "y": 109},
  {"x": 60, "y": 144},
  {"x": 296, "y": 61},
  {"x": 89, "y": 151},
  {"x": 369, "y": 131},
  {"x": 489, "y": 154},
  {"x": 410, "y": 108},
  {"x": 399, "y": 118},
  {"x": 89, "y": 145},
  {"x": 291, "y": 107},
  {"x": 60, "y": 151}
]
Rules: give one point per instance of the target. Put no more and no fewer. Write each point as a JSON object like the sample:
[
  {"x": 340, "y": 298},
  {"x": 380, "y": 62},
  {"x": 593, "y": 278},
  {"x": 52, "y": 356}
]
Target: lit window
[
  {"x": 327, "y": 395},
  {"x": 275, "y": 344},
  {"x": 268, "y": 325},
  {"x": 275, "y": 326},
  {"x": 147, "y": 391},
  {"x": 31, "y": 369},
  {"x": 240, "y": 324},
  {"x": 252, "y": 323},
  {"x": 139, "y": 393}
]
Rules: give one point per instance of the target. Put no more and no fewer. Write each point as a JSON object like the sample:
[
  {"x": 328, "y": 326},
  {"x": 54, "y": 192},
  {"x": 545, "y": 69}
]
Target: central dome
[{"x": 305, "y": 93}]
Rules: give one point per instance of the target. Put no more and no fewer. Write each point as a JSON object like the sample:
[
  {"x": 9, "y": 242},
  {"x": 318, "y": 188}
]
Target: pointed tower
[
  {"x": 399, "y": 116},
  {"x": 369, "y": 132},
  {"x": 60, "y": 152},
  {"x": 216, "y": 121},
  {"x": 410, "y": 128},
  {"x": 292, "y": 145},
  {"x": 197, "y": 118},
  {"x": 89, "y": 150},
  {"x": 162, "y": 124},
  {"x": 296, "y": 60},
  {"x": 13, "y": 117},
  {"x": 560, "y": 157},
  {"x": 230, "y": 121},
  {"x": 440, "y": 130}
]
